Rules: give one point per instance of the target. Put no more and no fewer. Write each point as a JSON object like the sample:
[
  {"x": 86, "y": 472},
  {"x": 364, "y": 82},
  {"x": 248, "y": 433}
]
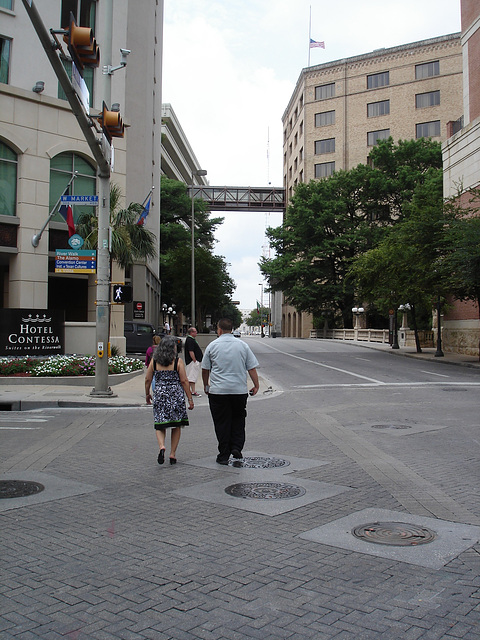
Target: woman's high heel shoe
[
  {"x": 173, "y": 461},
  {"x": 161, "y": 456}
]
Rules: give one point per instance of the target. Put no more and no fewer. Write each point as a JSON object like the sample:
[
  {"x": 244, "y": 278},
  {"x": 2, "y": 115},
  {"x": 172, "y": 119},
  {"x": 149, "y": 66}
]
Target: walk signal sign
[{"x": 122, "y": 293}]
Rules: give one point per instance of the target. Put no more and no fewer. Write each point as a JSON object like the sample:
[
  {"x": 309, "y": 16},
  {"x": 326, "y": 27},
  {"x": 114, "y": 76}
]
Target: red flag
[{"x": 67, "y": 214}]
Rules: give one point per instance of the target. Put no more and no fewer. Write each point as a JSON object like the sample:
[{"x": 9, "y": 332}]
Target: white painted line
[
  {"x": 326, "y": 366},
  {"x": 431, "y": 373},
  {"x": 18, "y": 428}
]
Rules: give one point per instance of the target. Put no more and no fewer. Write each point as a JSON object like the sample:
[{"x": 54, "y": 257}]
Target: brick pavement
[{"x": 134, "y": 559}]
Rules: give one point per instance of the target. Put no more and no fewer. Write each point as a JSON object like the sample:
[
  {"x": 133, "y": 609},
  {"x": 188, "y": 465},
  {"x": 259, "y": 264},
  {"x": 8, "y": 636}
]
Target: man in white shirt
[{"x": 225, "y": 364}]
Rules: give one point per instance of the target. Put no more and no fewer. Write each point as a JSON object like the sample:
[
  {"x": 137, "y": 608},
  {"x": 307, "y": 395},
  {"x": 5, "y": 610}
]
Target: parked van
[{"x": 139, "y": 336}]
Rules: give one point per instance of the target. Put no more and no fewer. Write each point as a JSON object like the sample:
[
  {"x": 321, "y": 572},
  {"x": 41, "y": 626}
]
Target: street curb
[{"x": 58, "y": 381}]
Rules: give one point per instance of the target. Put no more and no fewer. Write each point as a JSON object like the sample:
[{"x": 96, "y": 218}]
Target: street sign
[
  {"x": 91, "y": 200},
  {"x": 139, "y": 310},
  {"x": 70, "y": 261}
]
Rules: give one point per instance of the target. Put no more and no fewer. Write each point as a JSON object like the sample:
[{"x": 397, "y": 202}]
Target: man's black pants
[{"x": 229, "y": 413}]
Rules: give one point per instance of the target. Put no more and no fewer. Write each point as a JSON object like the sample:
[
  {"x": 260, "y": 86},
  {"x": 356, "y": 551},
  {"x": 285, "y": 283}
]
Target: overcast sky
[{"x": 229, "y": 69}]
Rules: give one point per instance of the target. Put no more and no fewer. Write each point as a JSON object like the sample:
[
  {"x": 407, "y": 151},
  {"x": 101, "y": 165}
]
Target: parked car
[
  {"x": 161, "y": 332},
  {"x": 237, "y": 333},
  {"x": 139, "y": 336}
]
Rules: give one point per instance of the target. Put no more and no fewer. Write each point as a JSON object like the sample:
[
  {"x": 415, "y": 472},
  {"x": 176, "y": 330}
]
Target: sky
[{"x": 229, "y": 70}]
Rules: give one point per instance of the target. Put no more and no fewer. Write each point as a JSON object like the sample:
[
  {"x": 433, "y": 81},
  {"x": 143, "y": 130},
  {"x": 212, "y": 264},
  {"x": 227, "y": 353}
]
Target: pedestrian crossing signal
[{"x": 122, "y": 294}]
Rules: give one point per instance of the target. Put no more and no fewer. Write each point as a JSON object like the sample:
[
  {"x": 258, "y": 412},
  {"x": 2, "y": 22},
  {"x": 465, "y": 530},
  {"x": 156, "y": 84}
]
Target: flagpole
[
  {"x": 309, "y": 34},
  {"x": 148, "y": 196}
]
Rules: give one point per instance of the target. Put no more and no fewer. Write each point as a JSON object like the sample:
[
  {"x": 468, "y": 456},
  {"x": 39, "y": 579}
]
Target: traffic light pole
[{"x": 103, "y": 172}]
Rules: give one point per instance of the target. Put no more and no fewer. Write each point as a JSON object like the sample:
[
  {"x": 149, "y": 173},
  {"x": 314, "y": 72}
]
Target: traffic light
[
  {"x": 81, "y": 45},
  {"x": 112, "y": 123},
  {"x": 122, "y": 293}
]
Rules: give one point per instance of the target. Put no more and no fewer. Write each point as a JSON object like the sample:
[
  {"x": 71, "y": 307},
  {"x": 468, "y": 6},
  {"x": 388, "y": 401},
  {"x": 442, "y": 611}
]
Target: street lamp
[
  {"x": 439, "y": 353},
  {"x": 199, "y": 173},
  {"x": 260, "y": 284},
  {"x": 357, "y": 311}
]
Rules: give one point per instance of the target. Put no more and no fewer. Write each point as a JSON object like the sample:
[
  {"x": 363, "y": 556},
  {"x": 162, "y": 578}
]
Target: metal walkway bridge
[{"x": 240, "y": 198}]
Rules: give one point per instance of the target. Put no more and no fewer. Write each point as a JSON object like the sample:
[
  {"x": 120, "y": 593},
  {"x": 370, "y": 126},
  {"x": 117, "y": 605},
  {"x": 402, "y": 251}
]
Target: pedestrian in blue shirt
[{"x": 225, "y": 364}]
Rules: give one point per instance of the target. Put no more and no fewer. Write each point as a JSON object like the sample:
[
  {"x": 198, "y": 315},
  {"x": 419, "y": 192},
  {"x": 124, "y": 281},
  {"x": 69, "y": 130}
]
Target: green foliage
[
  {"x": 130, "y": 241},
  {"x": 255, "y": 318},
  {"x": 330, "y": 223}
]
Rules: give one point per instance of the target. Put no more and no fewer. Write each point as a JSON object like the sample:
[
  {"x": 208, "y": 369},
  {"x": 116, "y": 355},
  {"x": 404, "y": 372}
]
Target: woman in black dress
[{"x": 171, "y": 384}]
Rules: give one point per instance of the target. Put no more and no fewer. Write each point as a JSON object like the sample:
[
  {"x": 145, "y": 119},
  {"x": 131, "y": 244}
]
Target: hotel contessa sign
[{"x": 32, "y": 332}]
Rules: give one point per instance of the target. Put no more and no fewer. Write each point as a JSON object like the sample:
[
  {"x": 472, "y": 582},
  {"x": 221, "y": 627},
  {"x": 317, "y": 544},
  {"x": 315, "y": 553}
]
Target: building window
[
  {"x": 428, "y": 129},
  {"x": 8, "y": 181},
  {"x": 381, "y": 108},
  {"x": 324, "y": 169},
  {"x": 325, "y": 91},
  {"x": 301, "y": 128},
  {"x": 325, "y": 146},
  {"x": 325, "y": 118},
  {"x": 4, "y": 59},
  {"x": 62, "y": 168},
  {"x": 374, "y": 136},
  {"x": 83, "y": 11},
  {"x": 300, "y": 177},
  {"x": 301, "y": 154},
  {"x": 378, "y": 80},
  {"x": 6, "y": 4},
  {"x": 429, "y": 99},
  {"x": 427, "y": 70}
]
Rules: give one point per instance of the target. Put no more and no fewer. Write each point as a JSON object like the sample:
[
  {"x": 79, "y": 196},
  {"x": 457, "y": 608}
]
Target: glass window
[
  {"x": 85, "y": 184},
  {"x": 374, "y": 136},
  {"x": 8, "y": 181},
  {"x": 324, "y": 169},
  {"x": 325, "y": 118},
  {"x": 6, "y": 4},
  {"x": 428, "y": 129},
  {"x": 4, "y": 59},
  {"x": 427, "y": 70},
  {"x": 325, "y": 146},
  {"x": 429, "y": 99},
  {"x": 325, "y": 91},
  {"x": 375, "y": 109},
  {"x": 378, "y": 80},
  {"x": 83, "y": 12}
]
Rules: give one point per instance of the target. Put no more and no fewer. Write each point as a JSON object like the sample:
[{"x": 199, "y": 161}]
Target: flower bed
[{"x": 65, "y": 366}]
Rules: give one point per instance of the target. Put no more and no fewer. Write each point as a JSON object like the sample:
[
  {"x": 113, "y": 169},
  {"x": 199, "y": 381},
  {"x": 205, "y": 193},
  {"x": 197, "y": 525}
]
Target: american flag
[{"x": 314, "y": 43}]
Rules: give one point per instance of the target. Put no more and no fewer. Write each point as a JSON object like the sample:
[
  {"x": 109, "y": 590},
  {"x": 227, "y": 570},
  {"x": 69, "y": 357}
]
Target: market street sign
[
  {"x": 91, "y": 200},
  {"x": 70, "y": 261}
]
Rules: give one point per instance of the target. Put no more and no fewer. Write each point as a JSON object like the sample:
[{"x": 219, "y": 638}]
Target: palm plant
[{"x": 130, "y": 241}]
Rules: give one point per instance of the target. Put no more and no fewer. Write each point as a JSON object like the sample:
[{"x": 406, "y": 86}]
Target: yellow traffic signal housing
[
  {"x": 112, "y": 123},
  {"x": 82, "y": 46}
]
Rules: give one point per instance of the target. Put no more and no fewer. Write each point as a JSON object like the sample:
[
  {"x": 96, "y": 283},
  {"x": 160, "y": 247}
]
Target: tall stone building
[
  {"x": 340, "y": 109},
  {"x": 461, "y": 169},
  {"x": 41, "y": 146}
]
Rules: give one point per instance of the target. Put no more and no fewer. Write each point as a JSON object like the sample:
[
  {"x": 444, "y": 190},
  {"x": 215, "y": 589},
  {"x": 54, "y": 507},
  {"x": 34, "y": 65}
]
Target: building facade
[
  {"x": 340, "y": 109},
  {"x": 461, "y": 170},
  {"x": 41, "y": 146}
]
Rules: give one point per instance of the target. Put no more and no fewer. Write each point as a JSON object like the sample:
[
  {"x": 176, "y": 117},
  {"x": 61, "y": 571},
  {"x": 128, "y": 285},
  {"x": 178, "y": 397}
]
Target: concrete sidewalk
[{"x": 128, "y": 390}]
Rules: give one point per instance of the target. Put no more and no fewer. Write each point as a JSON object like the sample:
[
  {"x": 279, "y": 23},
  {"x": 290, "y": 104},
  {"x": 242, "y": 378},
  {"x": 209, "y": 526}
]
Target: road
[{"x": 347, "y": 438}]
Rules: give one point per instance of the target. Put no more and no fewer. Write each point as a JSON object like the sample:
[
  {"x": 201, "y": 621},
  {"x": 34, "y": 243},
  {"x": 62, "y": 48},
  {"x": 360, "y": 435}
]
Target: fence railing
[{"x": 406, "y": 337}]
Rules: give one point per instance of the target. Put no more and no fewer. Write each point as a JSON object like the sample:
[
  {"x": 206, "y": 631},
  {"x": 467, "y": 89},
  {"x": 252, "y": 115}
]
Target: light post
[
  {"x": 261, "y": 310},
  {"x": 199, "y": 173},
  {"x": 439, "y": 352},
  {"x": 357, "y": 311}
]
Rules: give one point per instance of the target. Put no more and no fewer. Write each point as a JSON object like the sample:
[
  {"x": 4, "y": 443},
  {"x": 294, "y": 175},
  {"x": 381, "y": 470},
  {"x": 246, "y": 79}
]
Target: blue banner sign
[
  {"x": 92, "y": 200},
  {"x": 69, "y": 261}
]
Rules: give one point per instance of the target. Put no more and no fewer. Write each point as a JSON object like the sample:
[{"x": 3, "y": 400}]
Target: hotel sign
[{"x": 32, "y": 332}]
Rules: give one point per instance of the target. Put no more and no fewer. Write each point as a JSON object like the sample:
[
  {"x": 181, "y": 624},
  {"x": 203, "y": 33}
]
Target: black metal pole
[
  {"x": 395, "y": 344},
  {"x": 439, "y": 352}
]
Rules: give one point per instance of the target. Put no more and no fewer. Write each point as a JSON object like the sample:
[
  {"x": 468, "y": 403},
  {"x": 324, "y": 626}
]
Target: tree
[
  {"x": 331, "y": 222},
  {"x": 258, "y": 316},
  {"x": 408, "y": 265},
  {"x": 130, "y": 241}
]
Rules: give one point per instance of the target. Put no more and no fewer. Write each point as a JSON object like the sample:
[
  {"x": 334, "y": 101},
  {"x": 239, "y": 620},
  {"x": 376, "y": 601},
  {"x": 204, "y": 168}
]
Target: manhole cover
[
  {"x": 259, "y": 462},
  {"x": 19, "y": 488},
  {"x": 265, "y": 490},
  {"x": 398, "y": 534},
  {"x": 391, "y": 426}
]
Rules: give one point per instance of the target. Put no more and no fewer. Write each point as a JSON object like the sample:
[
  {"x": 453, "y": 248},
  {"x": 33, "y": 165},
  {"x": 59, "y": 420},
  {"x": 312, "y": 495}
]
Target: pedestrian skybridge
[{"x": 240, "y": 198}]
